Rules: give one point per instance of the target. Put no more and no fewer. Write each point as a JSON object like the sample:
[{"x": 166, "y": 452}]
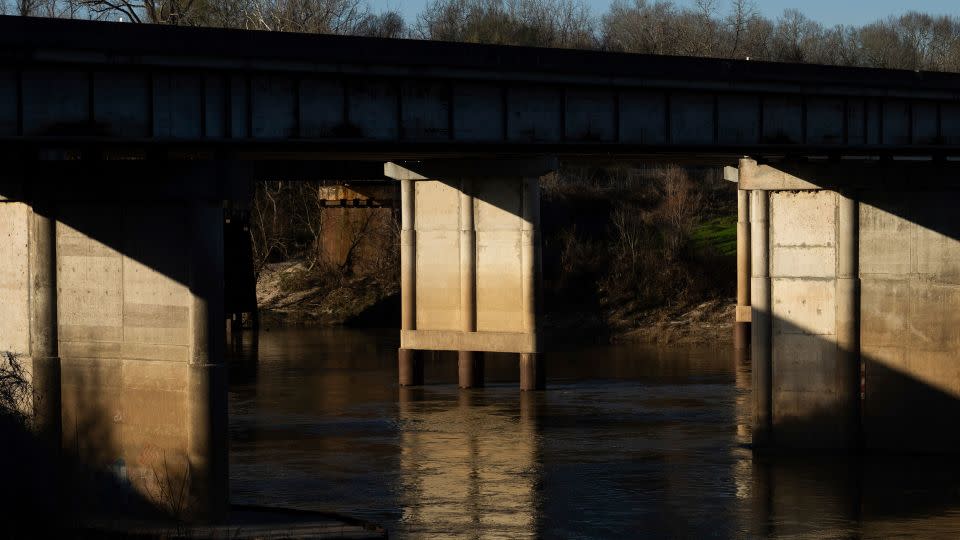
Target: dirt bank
[
  {"x": 707, "y": 322},
  {"x": 290, "y": 294}
]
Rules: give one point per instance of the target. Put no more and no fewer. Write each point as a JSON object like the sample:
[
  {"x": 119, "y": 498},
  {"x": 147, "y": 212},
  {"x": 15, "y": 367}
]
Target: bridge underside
[{"x": 121, "y": 143}]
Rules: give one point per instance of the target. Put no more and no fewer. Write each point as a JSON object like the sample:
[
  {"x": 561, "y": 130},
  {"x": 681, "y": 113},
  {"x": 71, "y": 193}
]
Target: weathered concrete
[
  {"x": 864, "y": 291},
  {"x": 44, "y": 345},
  {"x": 470, "y": 259},
  {"x": 741, "y": 328},
  {"x": 909, "y": 326},
  {"x": 15, "y": 218},
  {"x": 470, "y": 363},
  {"x": 128, "y": 292},
  {"x": 848, "y": 321},
  {"x": 533, "y": 373},
  {"x": 760, "y": 303},
  {"x": 207, "y": 449},
  {"x": 141, "y": 333},
  {"x": 470, "y": 369},
  {"x": 410, "y": 367}
]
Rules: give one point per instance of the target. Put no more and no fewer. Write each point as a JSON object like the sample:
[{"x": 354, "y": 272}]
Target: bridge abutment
[
  {"x": 118, "y": 299},
  {"x": 470, "y": 263},
  {"x": 854, "y": 300}
]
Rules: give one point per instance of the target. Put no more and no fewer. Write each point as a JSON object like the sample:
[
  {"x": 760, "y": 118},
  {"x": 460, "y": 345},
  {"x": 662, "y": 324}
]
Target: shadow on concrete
[
  {"x": 53, "y": 493},
  {"x": 900, "y": 412}
]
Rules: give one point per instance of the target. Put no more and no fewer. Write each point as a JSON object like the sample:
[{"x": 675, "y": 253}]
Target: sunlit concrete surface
[{"x": 863, "y": 274}]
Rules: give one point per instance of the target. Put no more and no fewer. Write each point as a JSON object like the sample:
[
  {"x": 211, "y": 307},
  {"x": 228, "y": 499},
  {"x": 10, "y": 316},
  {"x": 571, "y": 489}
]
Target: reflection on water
[{"x": 628, "y": 442}]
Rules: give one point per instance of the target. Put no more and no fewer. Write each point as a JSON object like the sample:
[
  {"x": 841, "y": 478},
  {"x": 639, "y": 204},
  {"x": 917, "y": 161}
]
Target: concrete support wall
[
  {"x": 470, "y": 258},
  {"x": 14, "y": 275},
  {"x": 810, "y": 401},
  {"x": 805, "y": 310},
  {"x": 910, "y": 323},
  {"x": 864, "y": 296},
  {"x": 141, "y": 326}
]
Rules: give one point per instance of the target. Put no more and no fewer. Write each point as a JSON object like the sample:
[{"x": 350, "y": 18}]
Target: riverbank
[
  {"x": 291, "y": 294},
  {"x": 286, "y": 299},
  {"x": 706, "y": 322}
]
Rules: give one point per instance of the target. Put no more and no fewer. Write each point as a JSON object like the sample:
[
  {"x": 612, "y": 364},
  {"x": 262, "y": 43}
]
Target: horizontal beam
[
  {"x": 452, "y": 340},
  {"x": 848, "y": 175}
]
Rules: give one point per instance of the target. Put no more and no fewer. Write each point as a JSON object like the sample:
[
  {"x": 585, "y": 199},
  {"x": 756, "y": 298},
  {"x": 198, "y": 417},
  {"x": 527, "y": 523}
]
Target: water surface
[{"x": 628, "y": 442}]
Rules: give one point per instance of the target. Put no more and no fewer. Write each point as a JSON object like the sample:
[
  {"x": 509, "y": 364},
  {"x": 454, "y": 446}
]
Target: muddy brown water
[{"x": 628, "y": 442}]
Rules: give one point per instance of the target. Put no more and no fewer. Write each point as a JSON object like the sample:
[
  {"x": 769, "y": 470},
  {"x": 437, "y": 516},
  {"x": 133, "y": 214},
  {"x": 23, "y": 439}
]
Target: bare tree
[
  {"x": 545, "y": 23},
  {"x": 312, "y": 16},
  {"x": 741, "y": 14},
  {"x": 175, "y": 12},
  {"x": 383, "y": 25}
]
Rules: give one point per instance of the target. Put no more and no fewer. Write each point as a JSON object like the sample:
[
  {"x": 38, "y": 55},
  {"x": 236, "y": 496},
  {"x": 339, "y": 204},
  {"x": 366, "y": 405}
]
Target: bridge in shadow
[{"x": 123, "y": 144}]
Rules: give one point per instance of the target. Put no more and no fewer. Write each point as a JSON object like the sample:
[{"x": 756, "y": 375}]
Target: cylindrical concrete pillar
[
  {"x": 207, "y": 382},
  {"x": 848, "y": 317},
  {"x": 530, "y": 252},
  {"x": 410, "y": 367},
  {"x": 408, "y": 257},
  {"x": 44, "y": 341},
  {"x": 532, "y": 372},
  {"x": 761, "y": 315},
  {"x": 533, "y": 375},
  {"x": 410, "y": 362},
  {"x": 470, "y": 368},
  {"x": 741, "y": 331}
]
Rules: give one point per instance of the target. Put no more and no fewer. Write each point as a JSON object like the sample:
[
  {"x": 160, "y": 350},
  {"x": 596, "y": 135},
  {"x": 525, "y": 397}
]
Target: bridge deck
[{"x": 79, "y": 84}]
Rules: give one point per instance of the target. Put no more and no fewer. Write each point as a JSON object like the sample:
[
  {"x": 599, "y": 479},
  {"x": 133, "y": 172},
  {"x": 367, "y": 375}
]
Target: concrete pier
[
  {"x": 410, "y": 366},
  {"x": 741, "y": 327},
  {"x": 862, "y": 300},
  {"x": 533, "y": 374},
  {"x": 470, "y": 363},
  {"x": 125, "y": 293},
  {"x": 761, "y": 350},
  {"x": 470, "y": 369},
  {"x": 206, "y": 375},
  {"x": 470, "y": 261},
  {"x": 44, "y": 342},
  {"x": 847, "y": 296}
]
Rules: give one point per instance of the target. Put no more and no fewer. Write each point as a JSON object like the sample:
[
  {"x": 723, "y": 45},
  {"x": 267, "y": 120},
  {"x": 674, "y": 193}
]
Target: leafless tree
[
  {"x": 312, "y": 16},
  {"x": 175, "y": 12},
  {"x": 545, "y": 23}
]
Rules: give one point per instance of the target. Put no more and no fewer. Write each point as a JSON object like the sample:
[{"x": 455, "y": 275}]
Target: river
[{"x": 627, "y": 442}]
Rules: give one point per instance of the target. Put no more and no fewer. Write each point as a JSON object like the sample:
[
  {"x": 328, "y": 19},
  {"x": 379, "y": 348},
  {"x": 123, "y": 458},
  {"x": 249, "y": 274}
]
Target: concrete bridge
[{"x": 122, "y": 142}]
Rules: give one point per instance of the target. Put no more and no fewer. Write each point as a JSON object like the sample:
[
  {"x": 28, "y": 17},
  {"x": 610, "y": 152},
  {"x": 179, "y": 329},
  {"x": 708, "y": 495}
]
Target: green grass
[{"x": 718, "y": 235}]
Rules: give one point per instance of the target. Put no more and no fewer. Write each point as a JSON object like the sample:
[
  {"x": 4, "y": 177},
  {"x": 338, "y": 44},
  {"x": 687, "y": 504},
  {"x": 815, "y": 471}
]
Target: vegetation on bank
[
  {"x": 624, "y": 247},
  {"x": 636, "y": 247}
]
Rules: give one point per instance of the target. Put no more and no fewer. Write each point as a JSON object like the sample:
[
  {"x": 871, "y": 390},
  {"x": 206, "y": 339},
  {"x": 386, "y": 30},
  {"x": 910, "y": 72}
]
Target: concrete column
[
  {"x": 848, "y": 317},
  {"x": 470, "y": 363},
  {"x": 741, "y": 331},
  {"x": 530, "y": 252},
  {"x": 532, "y": 369},
  {"x": 533, "y": 375},
  {"x": 410, "y": 361},
  {"x": 761, "y": 315},
  {"x": 44, "y": 345},
  {"x": 207, "y": 436}
]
